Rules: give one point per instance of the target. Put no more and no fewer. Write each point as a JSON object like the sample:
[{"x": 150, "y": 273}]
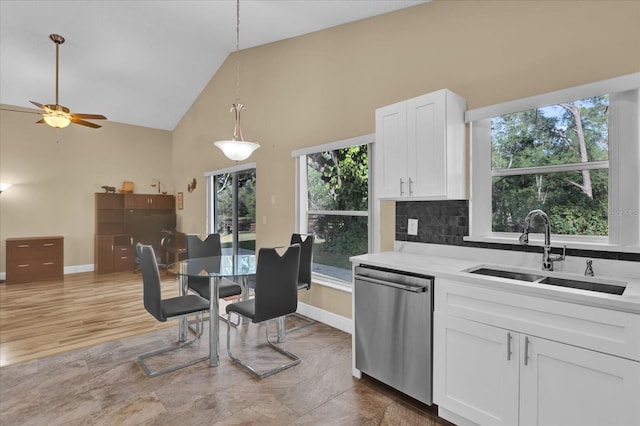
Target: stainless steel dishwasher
[{"x": 393, "y": 329}]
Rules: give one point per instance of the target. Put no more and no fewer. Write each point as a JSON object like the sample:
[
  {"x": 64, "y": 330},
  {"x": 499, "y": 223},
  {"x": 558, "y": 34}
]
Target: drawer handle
[
  {"x": 124, "y": 248},
  {"x": 47, "y": 244},
  {"x": 526, "y": 350},
  {"x": 48, "y": 263},
  {"x": 124, "y": 257},
  {"x": 23, "y": 245},
  {"x": 25, "y": 265},
  {"x": 509, "y": 346}
]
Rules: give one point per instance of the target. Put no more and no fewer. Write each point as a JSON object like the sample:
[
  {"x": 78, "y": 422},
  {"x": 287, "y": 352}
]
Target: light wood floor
[{"x": 46, "y": 318}]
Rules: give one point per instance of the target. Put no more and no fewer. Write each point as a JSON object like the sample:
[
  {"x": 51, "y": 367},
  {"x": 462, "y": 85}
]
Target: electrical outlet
[{"x": 412, "y": 227}]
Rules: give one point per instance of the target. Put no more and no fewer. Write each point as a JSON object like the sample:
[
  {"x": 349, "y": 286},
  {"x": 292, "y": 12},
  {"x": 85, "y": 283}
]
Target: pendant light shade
[{"x": 237, "y": 149}]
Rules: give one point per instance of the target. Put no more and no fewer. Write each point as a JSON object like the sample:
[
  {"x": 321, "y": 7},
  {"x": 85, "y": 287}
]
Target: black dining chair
[
  {"x": 211, "y": 246},
  {"x": 304, "y": 272},
  {"x": 163, "y": 310},
  {"x": 276, "y": 295}
]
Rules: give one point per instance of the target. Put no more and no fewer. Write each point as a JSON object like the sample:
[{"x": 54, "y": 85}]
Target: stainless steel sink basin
[
  {"x": 521, "y": 276},
  {"x": 585, "y": 285},
  {"x": 589, "y": 284}
]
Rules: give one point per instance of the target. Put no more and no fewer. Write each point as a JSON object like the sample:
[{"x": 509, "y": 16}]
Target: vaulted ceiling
[{"x": 145, "y": 62}]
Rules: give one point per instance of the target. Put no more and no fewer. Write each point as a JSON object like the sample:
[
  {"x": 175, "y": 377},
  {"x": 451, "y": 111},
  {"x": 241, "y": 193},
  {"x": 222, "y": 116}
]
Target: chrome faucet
[{"x": 547, "y": 257}]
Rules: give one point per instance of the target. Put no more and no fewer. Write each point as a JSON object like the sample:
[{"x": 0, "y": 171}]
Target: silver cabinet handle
[
  {"x": 23, "y": 245},
  {"x": 401, "y": 184},
  {"x": 410, "y": 187},
  {"x": 47, "y": 263},
  {"x": 47, "y": 244},
  {"x": 24, "y": 265},
  {"x": 526, "y": 350},
  {"x": 509, "y": 346}
]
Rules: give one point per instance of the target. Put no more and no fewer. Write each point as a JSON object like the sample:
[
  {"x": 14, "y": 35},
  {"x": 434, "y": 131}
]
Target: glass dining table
[{"x": 215, "y": 268}]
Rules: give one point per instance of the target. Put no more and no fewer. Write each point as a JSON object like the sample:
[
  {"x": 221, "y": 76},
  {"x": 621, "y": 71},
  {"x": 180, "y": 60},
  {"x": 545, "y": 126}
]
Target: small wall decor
[
  {"x": 191, "y": 186},
  {"x": 180, "y": 201}
]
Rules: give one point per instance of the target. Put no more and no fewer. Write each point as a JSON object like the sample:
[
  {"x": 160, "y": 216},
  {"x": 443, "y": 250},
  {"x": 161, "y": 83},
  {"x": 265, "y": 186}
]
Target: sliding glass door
[{"x": 231, "y": 210}]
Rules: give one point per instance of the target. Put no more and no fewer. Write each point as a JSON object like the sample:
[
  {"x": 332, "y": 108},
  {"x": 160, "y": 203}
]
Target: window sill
[
  {"x": 326, "y": 281},
  {"x": 599, "y": 244}
]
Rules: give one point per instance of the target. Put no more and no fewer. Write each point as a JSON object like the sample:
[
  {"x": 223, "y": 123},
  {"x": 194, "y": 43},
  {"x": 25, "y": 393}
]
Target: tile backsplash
[{"x": 447, "y": 222}]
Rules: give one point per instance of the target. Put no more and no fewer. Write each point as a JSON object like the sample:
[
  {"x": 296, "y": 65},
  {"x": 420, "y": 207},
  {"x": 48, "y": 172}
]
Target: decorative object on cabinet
[
  {"x": 421, "y": 148},
  {"x": 156, "y": 182},
  {"x": 180, "y": 201},
  {"x": 237, "y": 149},
  {"x": 191, "y": 186},
  {"x": 127, "y": 187},
  {"x": 108, "y": 189},
  {"x": 34, "y": 259}
]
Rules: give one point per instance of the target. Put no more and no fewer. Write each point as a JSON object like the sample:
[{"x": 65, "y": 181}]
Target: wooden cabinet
[
  {"x": 149, "y": 201},
  {"x": 35, "y": 259},
  {"x": 120, "y": 219},
  {"x": 503, "y": 359},
  {"x": 420, "y": 149}
]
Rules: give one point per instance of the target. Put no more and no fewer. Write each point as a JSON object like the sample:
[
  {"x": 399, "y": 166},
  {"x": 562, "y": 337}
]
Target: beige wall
[
  {"x": 325, "y": 86},
  {"x": 310, "y": 90},
  {"x": 56, "y": 172}
]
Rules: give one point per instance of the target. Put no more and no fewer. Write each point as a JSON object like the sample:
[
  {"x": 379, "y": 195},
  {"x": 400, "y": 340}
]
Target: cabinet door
[
  {"x": 136, "y": 201},
  {"x": 164, "y": 202},
  {"x": 475, "y": 370},
  {"x": 426, "y": 146},
  {"x": 391, "y": 152},
  {"x": 567, "y": 385}
]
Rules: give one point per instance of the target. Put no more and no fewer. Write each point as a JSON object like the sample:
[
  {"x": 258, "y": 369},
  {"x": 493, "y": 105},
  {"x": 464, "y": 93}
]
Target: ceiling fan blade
[
  {"x": 37, "y": 104},
  {"x": 76, "y": 120},
  {"x": 90, "y": 116}
]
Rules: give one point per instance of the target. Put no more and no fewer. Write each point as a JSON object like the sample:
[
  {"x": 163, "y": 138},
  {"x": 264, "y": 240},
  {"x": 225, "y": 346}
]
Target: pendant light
[{"x": 237, "y": 149}]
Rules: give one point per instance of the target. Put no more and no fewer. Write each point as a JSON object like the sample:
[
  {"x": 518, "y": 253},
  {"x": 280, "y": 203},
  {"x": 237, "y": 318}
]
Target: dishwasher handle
[{"x": 414, "y": 289}]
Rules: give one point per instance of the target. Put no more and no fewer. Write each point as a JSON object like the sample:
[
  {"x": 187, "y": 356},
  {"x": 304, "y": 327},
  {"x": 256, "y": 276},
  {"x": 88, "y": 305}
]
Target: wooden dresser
[{"x": 34, "y": 259}]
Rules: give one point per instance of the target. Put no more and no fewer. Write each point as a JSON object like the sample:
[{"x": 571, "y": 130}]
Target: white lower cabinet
[{"x": 493, "y": 376}]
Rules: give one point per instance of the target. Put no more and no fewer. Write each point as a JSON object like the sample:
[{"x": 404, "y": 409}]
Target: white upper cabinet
[{"x": 420, "y": 149}]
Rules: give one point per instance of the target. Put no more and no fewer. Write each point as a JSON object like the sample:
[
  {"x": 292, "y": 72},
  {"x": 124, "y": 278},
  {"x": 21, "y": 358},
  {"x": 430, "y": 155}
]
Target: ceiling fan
[{"x": 58, "y": 116}]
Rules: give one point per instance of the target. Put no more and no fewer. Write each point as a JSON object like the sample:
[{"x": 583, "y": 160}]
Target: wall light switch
[{"x": 412, "y": 227}]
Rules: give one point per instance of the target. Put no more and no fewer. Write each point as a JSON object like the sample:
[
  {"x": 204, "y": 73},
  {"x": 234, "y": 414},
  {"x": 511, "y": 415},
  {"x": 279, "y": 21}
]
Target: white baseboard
[
  {"x": 334, "y": 320},
  {"x": 78, "y": 268}
]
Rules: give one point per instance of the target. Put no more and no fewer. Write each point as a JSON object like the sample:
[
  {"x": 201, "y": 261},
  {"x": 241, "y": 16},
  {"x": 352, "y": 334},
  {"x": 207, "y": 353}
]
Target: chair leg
[
  {"x": 155, "y": 373},
  {"x": 307, "y": 322},
  {"x": 262, "y": 375}
]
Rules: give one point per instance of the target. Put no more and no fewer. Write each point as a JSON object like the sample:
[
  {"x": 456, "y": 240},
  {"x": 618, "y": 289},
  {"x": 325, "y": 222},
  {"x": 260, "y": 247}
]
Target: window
[
  {"x": 570, "y": 153},
  {"x": 333, "y": 204},
  {"x": 231, "y": 210}
]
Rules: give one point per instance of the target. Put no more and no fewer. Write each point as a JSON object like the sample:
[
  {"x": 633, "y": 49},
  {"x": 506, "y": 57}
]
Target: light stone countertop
[{"x": 454, "y": 268}]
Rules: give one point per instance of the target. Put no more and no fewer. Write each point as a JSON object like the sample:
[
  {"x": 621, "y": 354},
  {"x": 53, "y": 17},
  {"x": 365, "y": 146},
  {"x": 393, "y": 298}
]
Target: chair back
[
  {"x": 306, "y": 258},
  {"x": 211, "y": 246},
  {"x": 151, "y": 282},
  {"x": 276, "y": 292}
]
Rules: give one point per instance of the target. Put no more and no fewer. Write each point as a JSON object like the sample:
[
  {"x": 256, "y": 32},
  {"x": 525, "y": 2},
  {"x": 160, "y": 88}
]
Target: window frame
[
  {"x": 302, "y": 202},
  {"x": 623, "y": 164},
  {"x": 211, "y": 208}
]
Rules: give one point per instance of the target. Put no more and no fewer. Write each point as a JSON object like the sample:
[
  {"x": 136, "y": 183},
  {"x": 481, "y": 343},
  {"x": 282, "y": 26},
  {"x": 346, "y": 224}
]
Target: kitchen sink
[
  {"x": 585, "y": 285},
  {"x": 521, "y": 276},
  {"x": 589, "y": 284}
]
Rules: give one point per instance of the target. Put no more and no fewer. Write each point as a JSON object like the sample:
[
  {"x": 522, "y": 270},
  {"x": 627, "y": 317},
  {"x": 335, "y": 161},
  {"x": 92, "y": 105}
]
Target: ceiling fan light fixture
[
  {"x": 237, "y": 149},
  {"x": 57, "y": 116}
]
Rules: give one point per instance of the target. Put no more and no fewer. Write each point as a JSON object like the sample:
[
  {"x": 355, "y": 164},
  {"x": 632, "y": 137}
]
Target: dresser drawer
[
  {"x": 122, "y": 258},
  {"x": 34, "y": 259},
  {"x": 34, "y": 270},
  {"x": 26, "y": 249}
]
